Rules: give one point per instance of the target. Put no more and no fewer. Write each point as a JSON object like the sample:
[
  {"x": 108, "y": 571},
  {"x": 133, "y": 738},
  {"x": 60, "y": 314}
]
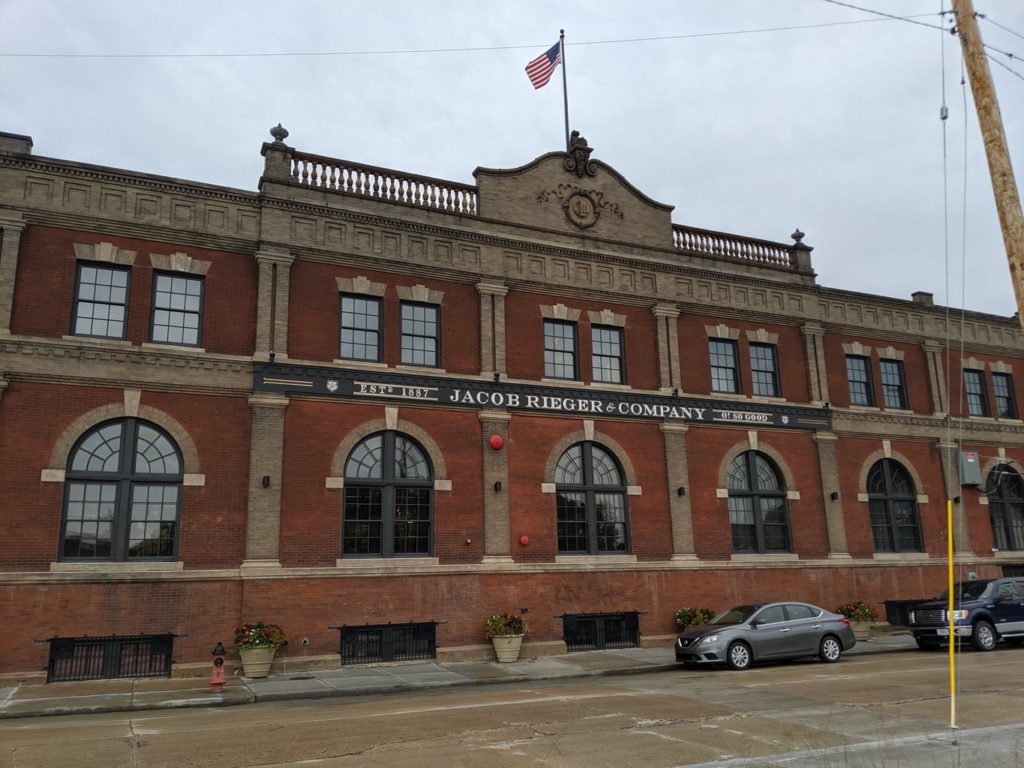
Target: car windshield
[
  {"x": 967, "y": 590},
  {"x": 737, "y": 615}
]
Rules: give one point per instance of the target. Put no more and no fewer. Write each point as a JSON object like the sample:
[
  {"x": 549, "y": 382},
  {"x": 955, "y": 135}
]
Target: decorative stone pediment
[
  {"x": 107, "y": 252},
  {"x": 572, "y": 193}
]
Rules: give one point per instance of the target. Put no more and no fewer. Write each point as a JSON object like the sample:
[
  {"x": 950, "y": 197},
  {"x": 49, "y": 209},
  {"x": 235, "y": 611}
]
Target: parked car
[
  {"x": 766, "y": 631},
  {"x": 984, "y": 610}
]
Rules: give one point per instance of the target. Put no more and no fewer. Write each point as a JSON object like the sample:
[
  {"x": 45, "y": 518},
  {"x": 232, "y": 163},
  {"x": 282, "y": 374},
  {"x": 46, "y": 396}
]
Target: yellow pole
[{"x": 949, "y": 612}]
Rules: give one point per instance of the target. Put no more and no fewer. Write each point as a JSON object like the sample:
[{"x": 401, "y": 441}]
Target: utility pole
[{"x": 1004, "y": 187}]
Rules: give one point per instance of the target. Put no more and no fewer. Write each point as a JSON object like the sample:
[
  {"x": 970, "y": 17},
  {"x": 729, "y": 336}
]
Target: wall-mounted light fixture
[
  {"x": 265, "y": 482},
  {"x": 497, "y": 485},
  {"x": 956, "y": 499},
  {"x": 675, "y": 391},
  {"x": 681, "y": 491},
  {"x": 834, "y": 495}
]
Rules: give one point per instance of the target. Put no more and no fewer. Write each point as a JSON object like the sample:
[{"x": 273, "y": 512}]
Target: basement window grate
[
  {"x": 370, "y": 644},
  {"x": 101, "y": 658},
  {"x": 600, "y": 631}
]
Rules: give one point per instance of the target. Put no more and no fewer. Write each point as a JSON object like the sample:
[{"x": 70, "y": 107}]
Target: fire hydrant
[{"x": 217, "y": 674}]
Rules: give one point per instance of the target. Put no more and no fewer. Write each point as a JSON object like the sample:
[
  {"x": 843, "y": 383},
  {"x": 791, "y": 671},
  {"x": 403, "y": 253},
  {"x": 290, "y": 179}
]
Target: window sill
[
  {"x": 865, "y": 408},
  {"x": 767, "y": 399},
  {"x": 764, "y": 557},
  {"x": 173, "y": 347},
  {"x": 369, "y": 365},
  {"x": 99, "y": 341},
  {"x": 609, "y": 386},
  {"x": 897, "y": 557},
  {"x": 593, "y": 559},
  {"x": 900, "y": 411},
  {"x": 384, "y": 565},
  {"x": 561, "y": 382},
  {"x": 419, "y": 368},
  {"x": 116, "y": 569}
]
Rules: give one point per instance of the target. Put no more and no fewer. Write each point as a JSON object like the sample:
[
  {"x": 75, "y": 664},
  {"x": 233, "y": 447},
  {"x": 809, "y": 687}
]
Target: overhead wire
[
  {"x": 1013, "y": 72},
  {"x": 996, "y": 23},
  {"x": 392, "y": 52}
]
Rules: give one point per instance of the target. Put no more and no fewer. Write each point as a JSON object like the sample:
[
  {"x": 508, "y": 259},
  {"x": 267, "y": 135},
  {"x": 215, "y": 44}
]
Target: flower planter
[
  {"x": 506, "y": 647},
  {"x": 861, "y": 629},
  {"x": 256, "y": 661}
]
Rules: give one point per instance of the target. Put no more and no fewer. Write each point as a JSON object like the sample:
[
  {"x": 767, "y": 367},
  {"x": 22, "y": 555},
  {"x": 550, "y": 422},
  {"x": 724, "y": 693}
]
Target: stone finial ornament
[
  {"x": 279, "y": 133},
  {"x": 579, "y": 156}
]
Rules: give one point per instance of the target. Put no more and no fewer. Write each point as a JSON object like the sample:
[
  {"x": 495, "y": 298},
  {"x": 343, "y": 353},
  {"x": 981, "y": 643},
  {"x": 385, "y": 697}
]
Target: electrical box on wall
[{"x": 970, "y": 468}]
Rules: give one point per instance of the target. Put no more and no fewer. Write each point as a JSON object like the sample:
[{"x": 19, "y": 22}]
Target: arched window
[
  {"x": 757, "y": 505},
  {"x": 389, "y": 498},
  {"x": 1005, "y": 491},
  {"x": 893, "y": 504},
  {"x": 591, "y": 501},
  {"x": 122, "y": 495}
]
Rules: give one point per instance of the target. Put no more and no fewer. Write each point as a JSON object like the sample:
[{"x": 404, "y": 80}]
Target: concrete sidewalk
[{"x": 168, "y": 693}]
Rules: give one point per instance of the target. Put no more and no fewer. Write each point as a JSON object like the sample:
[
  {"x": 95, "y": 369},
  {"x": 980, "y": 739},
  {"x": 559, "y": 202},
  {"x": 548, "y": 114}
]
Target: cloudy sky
[{"x": 749, "y": 116}]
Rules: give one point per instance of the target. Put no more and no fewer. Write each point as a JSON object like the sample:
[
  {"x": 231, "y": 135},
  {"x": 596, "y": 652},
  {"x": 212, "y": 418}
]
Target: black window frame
[
  {"x": 550, "y": 365},
  {"x": 599, "y": 353},
  {"x": 590, "y": 490},
  {"x": 1005, "y": 491},
  {"x": 720, "y": 349},
  {"x": 101, "y": 265},
  {"x": 198, "y": 313},
  {"x": 863, "y": 394},
  {"x": 125, "y": 479},
  {"x": 404, "y": 336},
  {"x": 883, "y": 509},
  {"x": 760, "y": 375},
  {"x": 1005, "y": 402},
  {"x": 758, "y": 506},
  {"x": 379, "y": 330},
  {"x": 894, "y": 393},
  {"x": 975, "y": 395},
  {"x": 388, "y": 485}
]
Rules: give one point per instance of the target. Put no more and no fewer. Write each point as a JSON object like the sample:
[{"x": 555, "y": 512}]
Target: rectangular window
[
  {"x": 763, "y": 370},
  {"x": 177, "y": 309},
  {"x": 559, "y": 350},
  {"x": 974, "y": 387},
  {"x": 360, "y": 328},
  {"x": 724, "y": 371},
  {"x": 101, "y": 301},
  {"x": 1006, "y": 405},
  {"x": 894, "y": 389},
  {"x": 607, "y": 354},
  {"x": 420, "y": 335},
  {"x": 858, "y": 374}
]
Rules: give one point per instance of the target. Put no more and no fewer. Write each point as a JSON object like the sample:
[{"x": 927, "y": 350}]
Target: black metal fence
[
  {"x": 388, "y": 642},
  {"x": 600, "y": 631},
  {"x": 98, "y": 658}
]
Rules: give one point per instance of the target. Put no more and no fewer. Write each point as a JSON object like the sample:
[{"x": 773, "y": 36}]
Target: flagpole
[{"x": 565, "y": 87}]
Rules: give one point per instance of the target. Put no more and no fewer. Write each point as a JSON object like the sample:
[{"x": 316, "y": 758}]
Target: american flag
[{"x": 539, "y": 70}]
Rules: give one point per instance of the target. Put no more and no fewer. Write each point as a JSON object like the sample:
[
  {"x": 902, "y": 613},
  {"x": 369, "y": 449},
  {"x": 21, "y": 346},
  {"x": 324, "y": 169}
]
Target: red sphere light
[
  {"x": 524, "y": 540},
  {"x": 496, "y": 441}
]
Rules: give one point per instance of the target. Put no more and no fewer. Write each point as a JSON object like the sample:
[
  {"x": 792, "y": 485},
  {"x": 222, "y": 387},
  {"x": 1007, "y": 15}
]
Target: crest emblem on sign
[
  {"x": 332, "y": 385},
  {"x": 785, "y": 419}
]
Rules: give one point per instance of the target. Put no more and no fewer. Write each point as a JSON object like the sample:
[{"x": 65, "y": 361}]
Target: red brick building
[{"x": 363, "y": 397}]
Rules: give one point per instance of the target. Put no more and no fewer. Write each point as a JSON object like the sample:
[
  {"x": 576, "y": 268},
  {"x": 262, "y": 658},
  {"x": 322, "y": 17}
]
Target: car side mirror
[
  {"x": 1004, "y": 598},
  {"x": 757, "y": 623}
]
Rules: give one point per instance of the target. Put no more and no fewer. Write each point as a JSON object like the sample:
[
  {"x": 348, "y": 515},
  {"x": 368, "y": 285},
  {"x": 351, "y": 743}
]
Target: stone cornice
[{"x": 906, "y": 426}]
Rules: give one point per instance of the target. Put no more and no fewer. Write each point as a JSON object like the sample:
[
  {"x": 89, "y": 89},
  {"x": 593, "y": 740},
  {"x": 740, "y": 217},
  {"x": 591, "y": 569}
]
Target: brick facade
[{"x": 267, "y": 417}]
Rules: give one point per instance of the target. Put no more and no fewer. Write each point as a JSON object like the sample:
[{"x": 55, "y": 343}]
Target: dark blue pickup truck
[{"x": 984, "y": 611}]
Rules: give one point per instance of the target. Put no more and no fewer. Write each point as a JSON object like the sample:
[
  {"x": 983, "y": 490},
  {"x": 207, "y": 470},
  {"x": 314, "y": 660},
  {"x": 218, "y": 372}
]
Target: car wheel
[
  {"x": 984, "y": 637},
  {"x": 739, "y": 655},
  {"x": 830, "y": 650},
  {"x": 927, "y": 643}
]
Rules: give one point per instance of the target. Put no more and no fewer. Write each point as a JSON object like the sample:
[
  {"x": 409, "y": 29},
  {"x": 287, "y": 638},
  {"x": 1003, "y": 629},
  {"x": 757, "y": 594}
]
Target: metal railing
[
  {"x": 600, "y": 631},
  {"x": 99, "y": 658},
  {"x": 369, "y": 644}
]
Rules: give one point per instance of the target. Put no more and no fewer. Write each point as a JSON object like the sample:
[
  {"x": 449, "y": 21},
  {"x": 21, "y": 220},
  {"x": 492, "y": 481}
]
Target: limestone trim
[
  {"x": 817, "y": 375},
  {"x": 742, "y": 447},
  {"x": 62, "y": 448},
  {"x": 722, "y": 331},
  {"x": 179, "y": 262},
  {"x": 105, "y": 252},
  {"x": 856, "y": 348},
  {"x": 762, "y": 336},
  {"x": 559, "y": 312},
  {"x": 886, "y": 452},
  {"x": 972, "y": 363},
  {"x": 990, "y": 466},
  {"x": 12, "y": 224},
  {"x": 108, "y": 568},
  {"x": 419, "y": 293},
  {"x": 606, "y": 317},
  {"x": 368, "y": 428},
  {"x": 999, "y": 366},
  {"x": 891, "y": 353},
  {"x": 361, "y": 286},
  {"x": 580, "y": 436}
]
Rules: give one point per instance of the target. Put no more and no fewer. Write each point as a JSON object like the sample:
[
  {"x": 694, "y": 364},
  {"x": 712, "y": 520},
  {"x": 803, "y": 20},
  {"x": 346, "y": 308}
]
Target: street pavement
[{"x": 30, "y": 700}]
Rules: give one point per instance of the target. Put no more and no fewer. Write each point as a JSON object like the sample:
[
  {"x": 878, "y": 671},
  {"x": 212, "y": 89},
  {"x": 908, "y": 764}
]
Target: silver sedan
[{"x": 766, "y": 631}]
